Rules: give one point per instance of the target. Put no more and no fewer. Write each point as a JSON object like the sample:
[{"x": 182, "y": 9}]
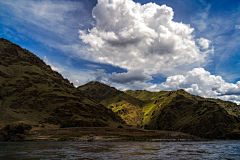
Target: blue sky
[{"x": 133, "y": 44}]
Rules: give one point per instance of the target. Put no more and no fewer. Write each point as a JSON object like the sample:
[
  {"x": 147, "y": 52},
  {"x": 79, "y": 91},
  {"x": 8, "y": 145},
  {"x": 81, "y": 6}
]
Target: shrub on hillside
[
  {"x": 19, "y": 128},
  {"x": 66, "y": 125},
  {"x": 120, "y": 126}
]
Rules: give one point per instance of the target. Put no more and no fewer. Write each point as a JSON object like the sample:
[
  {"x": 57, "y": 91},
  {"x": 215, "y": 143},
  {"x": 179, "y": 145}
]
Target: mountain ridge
[
  {"x": 171, "y": 110},
  {"x": 116, "y": 100},
  {"x": 31, "y": 92}
]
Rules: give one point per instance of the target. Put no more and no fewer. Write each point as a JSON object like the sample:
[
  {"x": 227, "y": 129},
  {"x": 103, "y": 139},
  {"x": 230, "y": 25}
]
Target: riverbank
[{"x": 53, "y": 133}]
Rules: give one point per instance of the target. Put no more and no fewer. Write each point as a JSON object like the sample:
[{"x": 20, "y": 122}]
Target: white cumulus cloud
[
  {"x": 237, "y": 26},
  {"x": 197, "y": 81},
  {"x": 135, "y": 36},
  {"x": 204, "y": 43},
  {"x": 201, "y": 82}
]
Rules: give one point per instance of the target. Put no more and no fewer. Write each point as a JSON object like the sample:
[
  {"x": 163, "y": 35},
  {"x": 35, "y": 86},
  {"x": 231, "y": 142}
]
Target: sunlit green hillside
[
  {"x": 127, "y": 107},
  {"x": 179, "y": 110},
  {"x": 166, "y": 110}
]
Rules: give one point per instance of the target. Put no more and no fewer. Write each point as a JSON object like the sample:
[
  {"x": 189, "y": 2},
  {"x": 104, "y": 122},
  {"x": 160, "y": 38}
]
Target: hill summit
[{"x": 124, "y": 105}]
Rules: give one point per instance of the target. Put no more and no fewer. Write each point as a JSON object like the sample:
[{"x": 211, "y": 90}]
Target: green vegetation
[
  {"x": 30, "y": 139},
  {"x": 63, "y": 139},
  {"x": 19, "y": 128},
  {"x": 127, "y": 107},
  {"x": 15, "y": 129},
  {"x": 230, "y": 107},
  {"x": 66, "y": 125},
  {"x": 7, "y": 127},
  {"x": 14, "y": 132},
  {"x": 120, "y": 126},
  {"x": 168, "y": 110},
  {"x": 181, "y": 111},
  {"x": 30, "y": 91}
]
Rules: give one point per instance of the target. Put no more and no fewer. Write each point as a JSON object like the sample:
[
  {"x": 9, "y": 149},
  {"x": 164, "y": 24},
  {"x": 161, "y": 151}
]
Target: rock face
[
  {"x": 31, "y": 92},
  {"x": 168, "y": 110}
]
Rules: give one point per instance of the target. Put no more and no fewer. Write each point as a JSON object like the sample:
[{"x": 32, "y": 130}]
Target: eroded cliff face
[{"x": 31, "y": 92}]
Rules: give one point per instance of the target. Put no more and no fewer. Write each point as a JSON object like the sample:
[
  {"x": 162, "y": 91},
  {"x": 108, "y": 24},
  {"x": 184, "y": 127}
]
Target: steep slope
[
  {"x": 127, "y": 107},
  {"x": 230, "y": 107},
  {"x": 31, "y": 92},
  {"x": 181, "y": 111}
]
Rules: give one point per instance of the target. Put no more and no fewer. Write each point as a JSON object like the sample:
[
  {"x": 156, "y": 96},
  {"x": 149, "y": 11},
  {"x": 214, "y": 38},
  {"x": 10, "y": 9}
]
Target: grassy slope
[
  {"x": 153, "y": 103},
  {"x": 181, "y": 111},
  {"x": 31, "y": 92},
  {"x": 168, "y": 110},
  {"x": 231, "y": 108},
  {"x": 127, "y": 107}
]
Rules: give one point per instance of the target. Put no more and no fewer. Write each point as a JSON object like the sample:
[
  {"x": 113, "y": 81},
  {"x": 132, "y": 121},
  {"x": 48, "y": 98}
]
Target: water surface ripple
[{"x": 120, "y": 150}]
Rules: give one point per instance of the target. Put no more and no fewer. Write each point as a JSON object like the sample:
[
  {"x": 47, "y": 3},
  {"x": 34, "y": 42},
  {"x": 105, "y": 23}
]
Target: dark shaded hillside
[
  {"x": 181, "y": 111},
  {"x": 31, "y": 92},
  {"x": 99, "y": 90},
  {"x": 127, "y": 107},
  {"x": 230, "y": 107}
]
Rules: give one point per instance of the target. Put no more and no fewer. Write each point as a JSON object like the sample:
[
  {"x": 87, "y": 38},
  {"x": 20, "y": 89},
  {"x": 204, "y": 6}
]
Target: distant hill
[
  {"x": 31, "y": 92},
  {"x": 181, "y": 111},
  {"x": 126, "y": 106},
  {"x": 168, "y": 110}
]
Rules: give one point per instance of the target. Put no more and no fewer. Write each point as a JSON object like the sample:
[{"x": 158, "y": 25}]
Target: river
[{"x": 120, "y": 150}]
